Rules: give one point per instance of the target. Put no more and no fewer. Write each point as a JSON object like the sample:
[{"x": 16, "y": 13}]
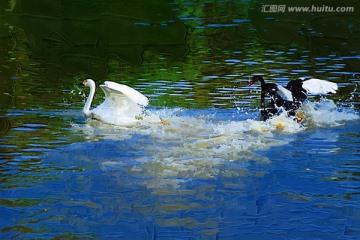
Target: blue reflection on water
[{"x": 305, "y": 187}]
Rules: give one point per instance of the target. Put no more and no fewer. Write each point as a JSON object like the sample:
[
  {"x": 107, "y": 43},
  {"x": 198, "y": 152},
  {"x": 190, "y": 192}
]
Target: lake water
[{"x": 214, "y": 170}]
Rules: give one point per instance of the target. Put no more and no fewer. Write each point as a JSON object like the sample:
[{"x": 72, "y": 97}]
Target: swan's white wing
[
  {"x": 284, "y": 93},
  {"x": 114, "y": 90},
  {"x": 122, "y": 104},
  {"x": 317, "y": 86}
]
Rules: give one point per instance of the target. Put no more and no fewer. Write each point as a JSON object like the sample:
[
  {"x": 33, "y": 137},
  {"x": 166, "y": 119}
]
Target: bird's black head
[{"x": 256, "y": 78}]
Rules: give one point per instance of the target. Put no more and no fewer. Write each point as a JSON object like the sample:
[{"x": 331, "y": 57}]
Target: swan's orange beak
[{"x": 84, "y": 83}]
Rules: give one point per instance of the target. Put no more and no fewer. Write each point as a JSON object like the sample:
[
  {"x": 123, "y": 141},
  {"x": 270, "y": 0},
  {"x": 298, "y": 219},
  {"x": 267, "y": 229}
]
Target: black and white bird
[{"x": 291, "y": 97}]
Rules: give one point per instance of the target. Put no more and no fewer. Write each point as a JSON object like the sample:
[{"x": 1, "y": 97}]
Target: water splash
[
  {"x": 326, "y": 113},
  {"x": 179, "y": 124},
  {"x": 198, "y": 145}
]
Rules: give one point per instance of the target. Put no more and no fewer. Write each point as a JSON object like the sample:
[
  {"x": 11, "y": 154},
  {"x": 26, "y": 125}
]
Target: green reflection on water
[
  {"x": 210, "y": 45},
  {"x": 20, "y": 202},
  {"x": 82, "y": 35}
]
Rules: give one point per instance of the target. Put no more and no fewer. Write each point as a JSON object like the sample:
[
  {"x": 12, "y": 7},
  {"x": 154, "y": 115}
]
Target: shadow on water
[
  {"x": 83, "y": 35},
  {"x": 321, "y": 34},
  {"x": 4, "y": 126}
]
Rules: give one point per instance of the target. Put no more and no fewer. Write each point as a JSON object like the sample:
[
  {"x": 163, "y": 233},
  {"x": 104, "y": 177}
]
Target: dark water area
[{"x": 214, "y": 170}]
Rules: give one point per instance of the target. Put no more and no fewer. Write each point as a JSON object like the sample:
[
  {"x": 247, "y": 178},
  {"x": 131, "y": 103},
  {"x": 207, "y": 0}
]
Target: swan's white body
[{"x": 122, "y": 105}]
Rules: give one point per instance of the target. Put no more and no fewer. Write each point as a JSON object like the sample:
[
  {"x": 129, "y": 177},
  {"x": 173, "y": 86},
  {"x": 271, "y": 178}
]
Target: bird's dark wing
[
  {"x": 297, "y": 90},
  {"x": 270, "y": 89}
]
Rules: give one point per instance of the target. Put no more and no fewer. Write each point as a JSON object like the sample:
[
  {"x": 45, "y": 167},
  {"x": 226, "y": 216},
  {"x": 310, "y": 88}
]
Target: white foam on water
[
  {"x": 185, "y": 146},
  {"x": 326, "y": 113}
]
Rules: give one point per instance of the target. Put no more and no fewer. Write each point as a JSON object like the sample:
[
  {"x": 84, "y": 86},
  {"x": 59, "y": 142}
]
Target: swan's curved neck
[
  {"x": 262, "y": 84},
  {"x": 86, "y": 109},
  {"x": 262, "y": 81}
]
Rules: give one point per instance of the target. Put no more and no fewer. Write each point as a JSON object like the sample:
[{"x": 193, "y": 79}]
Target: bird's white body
[{"x": 122, "y": 104}]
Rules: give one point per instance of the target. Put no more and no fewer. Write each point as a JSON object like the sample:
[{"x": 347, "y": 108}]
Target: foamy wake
[
  {"x": 188, "y": 146},
  {"x": 327, "y": 113}
]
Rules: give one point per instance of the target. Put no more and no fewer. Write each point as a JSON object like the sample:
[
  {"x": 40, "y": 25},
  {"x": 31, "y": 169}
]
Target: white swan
[{"x": 122, "y": 105}]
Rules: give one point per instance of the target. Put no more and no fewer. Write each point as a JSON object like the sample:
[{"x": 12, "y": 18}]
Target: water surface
[{"x": 215, "y": 171}]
